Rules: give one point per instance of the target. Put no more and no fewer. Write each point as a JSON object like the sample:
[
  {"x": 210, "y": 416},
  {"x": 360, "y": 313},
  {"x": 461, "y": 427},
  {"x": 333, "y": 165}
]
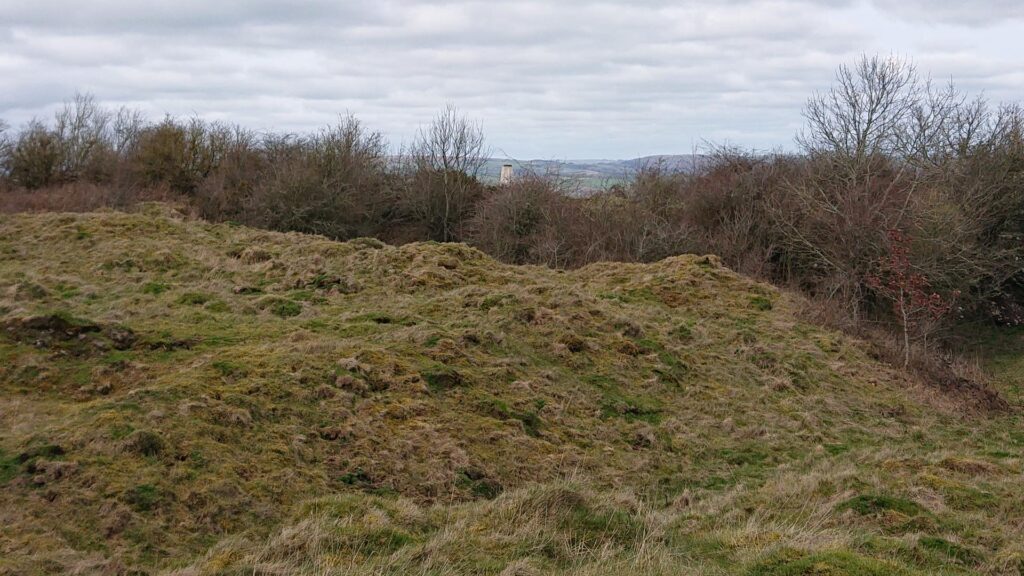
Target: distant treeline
[{"x": 904, "y": 205}]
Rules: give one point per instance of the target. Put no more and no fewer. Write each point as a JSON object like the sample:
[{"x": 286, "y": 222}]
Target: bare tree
[
  {"x": 943, "y": 125},
  {"x": 5, "y": 148},
  {"x": 80, "y": 129},
  {"x": 443, "y": 164},
  {"x": 126, "y": 126},
  {"x": 864, "y": 112}
]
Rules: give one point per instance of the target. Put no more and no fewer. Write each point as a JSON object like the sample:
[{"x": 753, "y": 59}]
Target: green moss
[
  {"x": 356, "y": 477},
  {"x": 302, "y": 295},
  {"x": 143, "y": 498},
  {"x": 873, "y": 504},
  {"x": 761, "y": 303},
  {"x": 793, "y": 563},
  {"x": 531, "y": 422},
  {"x": 194, "y": 298},
  {"x": 590, "y": 526},
  {"x": 144, "y": 443},
  {"x": 495, "y": 300},
  {"x": 8, "y": 467},
  {"x": 226, "y": 368},
  {"x": 649, "y": 345},
  {"x": 682, "y": 332},
  {"x": 118, "y": 358},
  {"x": 45, "y": 451},
  {"x": 968, "y": 498},
  {"x": 443, "y": 378},
  {"x": 66, "y": 291},
  {"x": 949, "y": 549},
  {"x": 497, "y": 408},
  {"x": 281, "y": 307},
  {"x": 286, "y": 309},
  {"x": 155, "y": 288},
  {"x": 479, "y": 485},
  {"x": 197, "y": 459},
  {"x": 379, "y": 541},
  {"x": 218, "y": 306},
  {"x": 630, "y": 296},
  {"x": 743, "y": 455},
  {"x": 121, "y": 431},
  {"x": 617, "y": 403},
  {"x": 500, "y": 409},
  {"x": 673, "y": 369}
]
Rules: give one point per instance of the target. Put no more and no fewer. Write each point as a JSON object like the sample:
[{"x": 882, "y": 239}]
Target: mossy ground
[{"x": 286, "y": 404}]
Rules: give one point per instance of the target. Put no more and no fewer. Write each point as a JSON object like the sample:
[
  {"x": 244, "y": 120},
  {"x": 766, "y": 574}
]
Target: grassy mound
[{"x": 210, "y": 399}]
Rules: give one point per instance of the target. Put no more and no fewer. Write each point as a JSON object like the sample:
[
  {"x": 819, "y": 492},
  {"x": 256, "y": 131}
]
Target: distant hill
[{"x": 592, "y": 173}]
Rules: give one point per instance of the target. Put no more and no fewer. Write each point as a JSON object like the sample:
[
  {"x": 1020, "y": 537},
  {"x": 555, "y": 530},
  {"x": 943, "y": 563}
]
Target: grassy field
[{"x": 189, "y": 398}]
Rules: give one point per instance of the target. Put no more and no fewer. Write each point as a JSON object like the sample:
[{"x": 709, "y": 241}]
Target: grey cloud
[
  {"x": 957, "y": 12},
  {"x": 573, "y": 78}
]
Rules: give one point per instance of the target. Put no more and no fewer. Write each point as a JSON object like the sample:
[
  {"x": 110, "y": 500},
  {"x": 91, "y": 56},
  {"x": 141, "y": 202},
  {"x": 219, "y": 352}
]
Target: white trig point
[{"x": 506, "y": 175}]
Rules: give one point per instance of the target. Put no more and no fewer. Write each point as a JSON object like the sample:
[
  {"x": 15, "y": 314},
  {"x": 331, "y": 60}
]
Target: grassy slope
[{"x": 309, "y": 406}]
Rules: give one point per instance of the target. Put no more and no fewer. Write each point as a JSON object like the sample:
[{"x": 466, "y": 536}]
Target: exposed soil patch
[{"x": 69, "y": 335}]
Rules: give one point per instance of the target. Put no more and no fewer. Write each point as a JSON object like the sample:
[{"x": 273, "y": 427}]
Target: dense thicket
[{"x": 902, "y": 196}]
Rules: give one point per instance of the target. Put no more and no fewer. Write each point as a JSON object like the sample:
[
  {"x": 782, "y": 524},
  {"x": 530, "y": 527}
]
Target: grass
[
  {"x": 143, "y": 498},
  {"x": 790, "y": 563},
  {"x": 949, "y": 549},
  {"x": 8, "y": 468},
  {"x": 287, "y": 404},
  {"x": 867, "y": 505}
]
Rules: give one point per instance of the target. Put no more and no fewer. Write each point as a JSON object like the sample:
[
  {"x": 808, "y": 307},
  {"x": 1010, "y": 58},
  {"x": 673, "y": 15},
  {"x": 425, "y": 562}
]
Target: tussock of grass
[
  {"x": 224, "y": 400},
  {"x": 563, "y": 528},
  {"x": 866, "y": 505}
]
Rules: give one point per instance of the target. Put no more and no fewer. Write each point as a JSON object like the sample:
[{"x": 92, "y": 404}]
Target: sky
[{"x": 552, "y": 80}]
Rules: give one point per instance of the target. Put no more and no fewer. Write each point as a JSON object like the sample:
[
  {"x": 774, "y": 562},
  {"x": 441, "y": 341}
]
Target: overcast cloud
[{"x": 565, "y": 79}]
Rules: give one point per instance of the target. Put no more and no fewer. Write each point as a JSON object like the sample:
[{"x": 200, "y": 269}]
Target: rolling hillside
[{"x": 190, "y": 398}]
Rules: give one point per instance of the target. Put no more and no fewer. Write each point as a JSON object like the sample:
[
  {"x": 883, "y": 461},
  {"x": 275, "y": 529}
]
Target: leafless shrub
[
  {"x": 723, "y": 207},
  {"x": 34, "y": 160},
  {"x": 333, "y": 183},
  {"x": 75, "y": 148},
  {"x": 514, "y": 220},
  {"x": 616, "y": 227},
  {"x": 225, "y": 193},
  {"x": 179, "y": 154}
]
